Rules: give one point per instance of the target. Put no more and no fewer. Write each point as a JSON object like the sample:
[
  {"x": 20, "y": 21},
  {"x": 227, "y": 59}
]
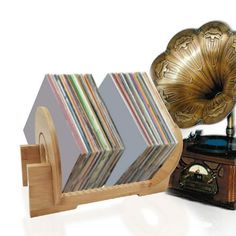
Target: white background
[{"x": 38, "y": 37}]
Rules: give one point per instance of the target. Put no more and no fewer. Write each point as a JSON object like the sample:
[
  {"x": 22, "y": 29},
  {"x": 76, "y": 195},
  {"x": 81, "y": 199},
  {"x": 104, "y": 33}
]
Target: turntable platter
[{"x": 213, "y": 144}]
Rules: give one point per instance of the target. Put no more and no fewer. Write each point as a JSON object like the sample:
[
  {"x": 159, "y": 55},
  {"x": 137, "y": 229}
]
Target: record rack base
[{"x": 41, "y": 172}]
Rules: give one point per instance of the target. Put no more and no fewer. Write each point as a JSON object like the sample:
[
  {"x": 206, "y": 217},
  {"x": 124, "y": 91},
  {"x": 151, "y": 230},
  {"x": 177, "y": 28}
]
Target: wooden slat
[
  {"x": 99, "y": 194},
  {"x": 40, "y": 186},
  {"x": 29, "y": 155}
]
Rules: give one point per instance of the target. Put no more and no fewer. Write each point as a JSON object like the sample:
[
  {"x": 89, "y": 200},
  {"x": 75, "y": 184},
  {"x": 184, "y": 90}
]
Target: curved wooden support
[{"x": 41, "y": 169}]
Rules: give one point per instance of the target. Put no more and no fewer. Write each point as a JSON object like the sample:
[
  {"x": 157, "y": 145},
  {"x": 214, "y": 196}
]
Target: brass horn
[{"x": 196, "y": 75}]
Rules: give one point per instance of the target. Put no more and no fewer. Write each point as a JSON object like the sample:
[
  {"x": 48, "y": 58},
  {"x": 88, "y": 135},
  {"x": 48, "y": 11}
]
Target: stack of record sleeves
[
  {"x": 143, "y": 123},
  {"x": 119, "y": 133},
  {"x": 88, "y": 140}
]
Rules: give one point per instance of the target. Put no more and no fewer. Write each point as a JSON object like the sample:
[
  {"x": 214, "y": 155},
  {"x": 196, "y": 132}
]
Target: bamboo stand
[{"x": 41, "y": 171}]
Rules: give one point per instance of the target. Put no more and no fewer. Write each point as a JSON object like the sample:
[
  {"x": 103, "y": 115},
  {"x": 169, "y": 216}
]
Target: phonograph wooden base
[
  {"x": 205, "y": 177},
  {"x": 41, "y": 171}
]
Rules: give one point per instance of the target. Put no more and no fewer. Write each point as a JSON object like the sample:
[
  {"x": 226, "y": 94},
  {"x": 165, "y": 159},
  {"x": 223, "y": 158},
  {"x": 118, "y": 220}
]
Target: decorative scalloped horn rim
[{"x": 196, "y": 75}]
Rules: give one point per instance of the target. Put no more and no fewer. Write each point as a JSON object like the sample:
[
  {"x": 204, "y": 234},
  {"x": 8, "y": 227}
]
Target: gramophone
[{"x": 196, "y": 78}]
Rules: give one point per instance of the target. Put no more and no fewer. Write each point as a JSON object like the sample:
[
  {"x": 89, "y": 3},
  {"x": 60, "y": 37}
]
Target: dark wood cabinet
[{"x": 205, "y": 178}]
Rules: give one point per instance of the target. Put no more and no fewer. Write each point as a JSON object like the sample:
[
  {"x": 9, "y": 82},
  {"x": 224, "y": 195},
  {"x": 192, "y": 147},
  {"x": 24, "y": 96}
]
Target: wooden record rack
[{"x": 41, "y": 171}]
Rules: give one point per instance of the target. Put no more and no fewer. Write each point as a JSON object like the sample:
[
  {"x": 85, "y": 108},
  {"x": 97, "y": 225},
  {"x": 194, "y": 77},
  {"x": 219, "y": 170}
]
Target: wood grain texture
[
  {"x": 44, "y": 178},
  {"x": 45, "y": 135},
  {"x": 29, "y": 155},
  {"x": 224, "y": 170}
]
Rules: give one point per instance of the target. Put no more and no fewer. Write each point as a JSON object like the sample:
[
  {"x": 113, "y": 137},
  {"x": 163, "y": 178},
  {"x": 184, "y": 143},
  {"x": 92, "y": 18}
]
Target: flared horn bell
[{"x": 196, "y": 75}]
